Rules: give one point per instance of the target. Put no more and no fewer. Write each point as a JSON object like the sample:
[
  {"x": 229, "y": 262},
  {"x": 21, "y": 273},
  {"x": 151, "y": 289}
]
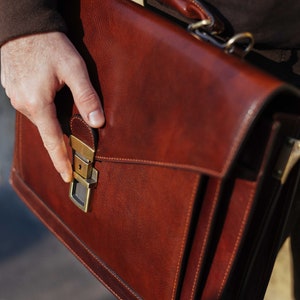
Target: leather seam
[
  {"x": 160, "y": 163},
  {"x": 76, "y": 238},
  {"x": 200, "y": 260},
  {"x": 237, "y": 242},
  {"x": 216, "y": 172},
  {"x": 201, "y": 8},
  {"x": 186, "y": 227}
]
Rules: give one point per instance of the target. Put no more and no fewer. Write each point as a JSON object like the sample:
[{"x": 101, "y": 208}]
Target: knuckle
[
  {"x": 14, "y": 102},
  {"x": 86, "y": 96},
  {"x": 30, "y": 105},
  {"x": 23, "y": 103}
]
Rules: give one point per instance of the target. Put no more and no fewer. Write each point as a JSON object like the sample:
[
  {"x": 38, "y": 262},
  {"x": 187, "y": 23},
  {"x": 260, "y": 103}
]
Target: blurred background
[{"x": 36, "y": 266}]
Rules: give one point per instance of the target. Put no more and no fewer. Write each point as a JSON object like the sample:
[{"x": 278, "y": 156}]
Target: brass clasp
[{"x": 85, "y": 176}]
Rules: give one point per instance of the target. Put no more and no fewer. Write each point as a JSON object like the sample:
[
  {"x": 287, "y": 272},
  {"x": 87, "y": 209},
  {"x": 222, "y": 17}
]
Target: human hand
[{"x": 33, "y": 69}]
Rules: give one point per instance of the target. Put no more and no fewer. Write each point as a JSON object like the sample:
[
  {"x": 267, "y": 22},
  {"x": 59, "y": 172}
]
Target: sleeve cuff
[{"x": 25, "y": 17}]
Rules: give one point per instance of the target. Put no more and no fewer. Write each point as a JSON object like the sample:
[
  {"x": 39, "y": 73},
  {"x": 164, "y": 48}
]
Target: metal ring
[
  {"x": 199, "y": 24},
  {"x": 229, "y": 45}
]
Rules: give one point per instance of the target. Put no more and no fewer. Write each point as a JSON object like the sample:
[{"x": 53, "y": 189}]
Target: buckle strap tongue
[{"x": 85, "y": 176}]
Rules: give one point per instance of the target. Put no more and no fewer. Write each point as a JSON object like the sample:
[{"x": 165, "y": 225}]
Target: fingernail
[
  {"x": 67, "y": 177},
  {"x": 96, "y": 118}
]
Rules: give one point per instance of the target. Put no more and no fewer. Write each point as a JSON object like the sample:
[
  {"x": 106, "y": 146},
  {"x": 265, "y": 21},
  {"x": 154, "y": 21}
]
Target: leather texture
[{"x": 185, "y": 159}]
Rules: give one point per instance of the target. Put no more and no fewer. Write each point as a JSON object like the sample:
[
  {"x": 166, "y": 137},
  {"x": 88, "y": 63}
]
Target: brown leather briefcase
[{"x": 186, "y": 191}]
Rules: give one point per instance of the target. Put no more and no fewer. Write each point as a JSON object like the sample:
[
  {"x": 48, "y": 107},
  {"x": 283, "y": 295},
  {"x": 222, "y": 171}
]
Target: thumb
[{"x": 85, "y": 97}]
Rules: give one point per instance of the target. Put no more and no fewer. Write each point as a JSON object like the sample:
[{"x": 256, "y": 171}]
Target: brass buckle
[{"x": 85, "y": 176}]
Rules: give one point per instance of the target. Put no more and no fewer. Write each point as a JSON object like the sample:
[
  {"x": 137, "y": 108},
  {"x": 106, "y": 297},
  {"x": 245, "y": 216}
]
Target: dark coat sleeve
[{"x": 24, "y": 17}]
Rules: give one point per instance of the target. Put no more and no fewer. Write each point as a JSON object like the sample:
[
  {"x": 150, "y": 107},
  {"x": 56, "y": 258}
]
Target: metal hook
[{"x": 234, "y": 45}]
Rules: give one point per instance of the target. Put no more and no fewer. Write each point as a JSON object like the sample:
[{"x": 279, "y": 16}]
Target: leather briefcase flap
[{"x": 160, "y": 119}]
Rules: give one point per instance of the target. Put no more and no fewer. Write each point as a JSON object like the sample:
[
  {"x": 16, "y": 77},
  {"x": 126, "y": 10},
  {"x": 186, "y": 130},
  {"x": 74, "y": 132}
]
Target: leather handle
[
  {"x": 189, "y": 8},
  {"x": 196, "y": 10}
]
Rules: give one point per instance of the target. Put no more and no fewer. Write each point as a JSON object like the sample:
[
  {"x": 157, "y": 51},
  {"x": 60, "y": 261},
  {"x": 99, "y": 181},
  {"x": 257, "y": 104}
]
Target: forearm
[{"x": 24, "y": 17}]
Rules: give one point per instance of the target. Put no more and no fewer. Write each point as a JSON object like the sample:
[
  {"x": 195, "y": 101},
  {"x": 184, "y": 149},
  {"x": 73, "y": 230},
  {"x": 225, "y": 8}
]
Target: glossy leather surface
[{"x": 178, "y": 111}]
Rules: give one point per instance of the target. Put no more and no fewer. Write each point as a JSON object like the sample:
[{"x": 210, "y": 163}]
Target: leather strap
[
  {"x": 82, "y": 131},
  {"x": 196, "y": 10},
  {"x": 190, "y": 8}
]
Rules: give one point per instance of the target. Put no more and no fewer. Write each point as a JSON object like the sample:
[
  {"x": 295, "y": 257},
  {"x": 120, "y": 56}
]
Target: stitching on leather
[
  {"x": 85, "y": 125},
  {"x": 220, "y": 172},
  {"x": 198, "y": 5},
  {"x": 104, "y": 266},
  {"x": 238, "y": 240},
  {"x": 159, "y": 163},
  {"x": 201, "y": 8},
  {"x": 100, "y": 262},
  {"x": 206, "y": 237},
  {"x": 78, "y": 240},
  {"x": 186, "y": 227}
]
